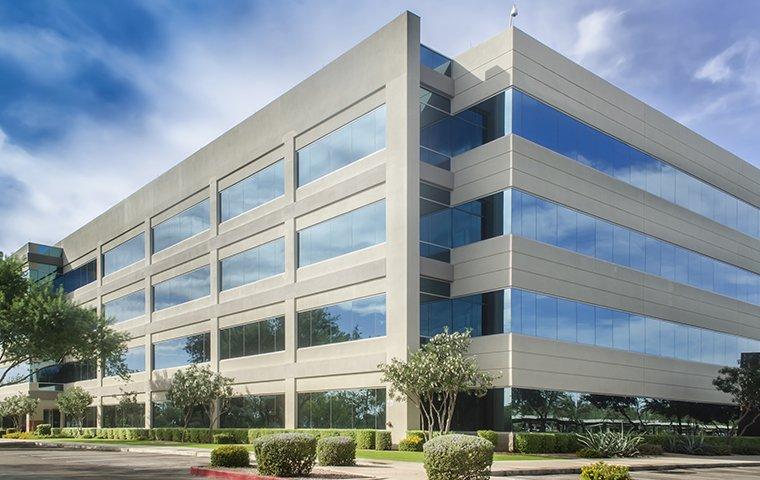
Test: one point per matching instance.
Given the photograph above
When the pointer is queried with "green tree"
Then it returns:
(18, 407)
(743, 385)
(74, 402)
(39, 325)
(195, 387)
(434, 376)
(542, 404)
(128, 411)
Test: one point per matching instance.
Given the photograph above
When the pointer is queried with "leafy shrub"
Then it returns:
(223, 438)
(21, 435)
(285, 454)
(255, 433)
(10, 430)
(383, 440)
(745, 450)
(489, 435)
(336, 451)
(43, 429)
(458, 457)
(588, 453)
(365, 439)
(715, 450)
(535, 442)
(687, 444)
(650, 449)
(232, 456)
(2, 432)
(417, 433)
(603, 471)
(411, 443)
(612, 444)
(565, 443)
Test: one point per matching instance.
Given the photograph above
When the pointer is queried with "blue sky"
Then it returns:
(99, 97)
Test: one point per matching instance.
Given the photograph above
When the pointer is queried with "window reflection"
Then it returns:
(181, 226)
(182, 351)
(349, 143)
(357, 229)
(126, 307)
(363, 408)
(264, 336)
(253, 265)
(182, 288)
(255, 411)
(251, 192)
(342, 322)
(125, 254)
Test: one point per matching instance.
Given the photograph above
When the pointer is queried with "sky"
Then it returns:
(98, 97)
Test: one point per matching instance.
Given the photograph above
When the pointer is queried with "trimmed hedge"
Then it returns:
(365, 439)
(535, 443)
(285, 454)
(489, 435)
(43, 429)
(604, 471)
(224, 438)
(336, 451)
(231, 456)
(383, 440)
(650, 449)
(458, 457)
(411, 443)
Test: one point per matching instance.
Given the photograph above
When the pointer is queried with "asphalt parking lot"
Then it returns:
(738, 473)
(54, 464)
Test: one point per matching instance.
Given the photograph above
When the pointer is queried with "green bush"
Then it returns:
(89, 432)
(285, 454)
(417, 433)
(411, 443)
(231, 456)
(224, 438)
(489, 435)
(10, 430)
(365, 439)
(715, 450)
(650, 449)
(254, 433)
(566, 443)
(336, 451)
(55, 432)
(2, 432)
(603, 471)
(535, 442)
(458, 457)
(745, 450)
(586, 452)
(43, 429)
(383, 440)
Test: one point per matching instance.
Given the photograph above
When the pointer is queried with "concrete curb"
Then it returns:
(632, 468)
(187, 452)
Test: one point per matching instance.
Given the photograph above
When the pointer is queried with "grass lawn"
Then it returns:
(364, 454)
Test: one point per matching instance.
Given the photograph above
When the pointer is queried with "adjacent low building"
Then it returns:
(592, 245)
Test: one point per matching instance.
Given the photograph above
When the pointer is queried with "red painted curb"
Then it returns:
(227, 474)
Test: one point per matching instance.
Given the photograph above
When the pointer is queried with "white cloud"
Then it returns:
(599, 44)
(729, 63)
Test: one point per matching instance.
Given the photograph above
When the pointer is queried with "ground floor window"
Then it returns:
(519, 410)
(51, 417)
(166, 415)
(124, 416)
(90, 419)
(255, 411)
(361, 408)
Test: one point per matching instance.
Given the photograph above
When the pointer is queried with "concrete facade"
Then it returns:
(385, 69)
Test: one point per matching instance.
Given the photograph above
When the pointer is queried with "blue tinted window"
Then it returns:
(251, 192)
(349, 143)
(134, 359)
(435, 61)
(127, 253)
(252, 265)
(77, 277)
(264, 336)
(342, 322)
(125, 308)
(182, 288)
(357, 229)
(181, 226)
(182, 351)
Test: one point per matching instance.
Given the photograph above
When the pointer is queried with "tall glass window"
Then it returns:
(349, 143)
(77, 278)
(182, 288)
(115, 416)
(363, 408)
(264, 336)
(181, 226)
(354, 230)
(255, 411)
(435, 223)
(434, 60)
(342, 322)
(166, 415)
(182, 351)
(127, 307)
(124, 255)
(251, 192)
(260, 262)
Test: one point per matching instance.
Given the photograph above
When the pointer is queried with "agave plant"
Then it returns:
(688, 444)
(612, 444)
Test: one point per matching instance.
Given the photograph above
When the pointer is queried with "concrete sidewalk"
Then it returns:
(396, 470)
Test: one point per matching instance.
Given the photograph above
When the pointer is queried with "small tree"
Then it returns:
(199, 387)
(18, 407)
(743, 384)
(434, 376)
(73, 403)
(127, 409)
